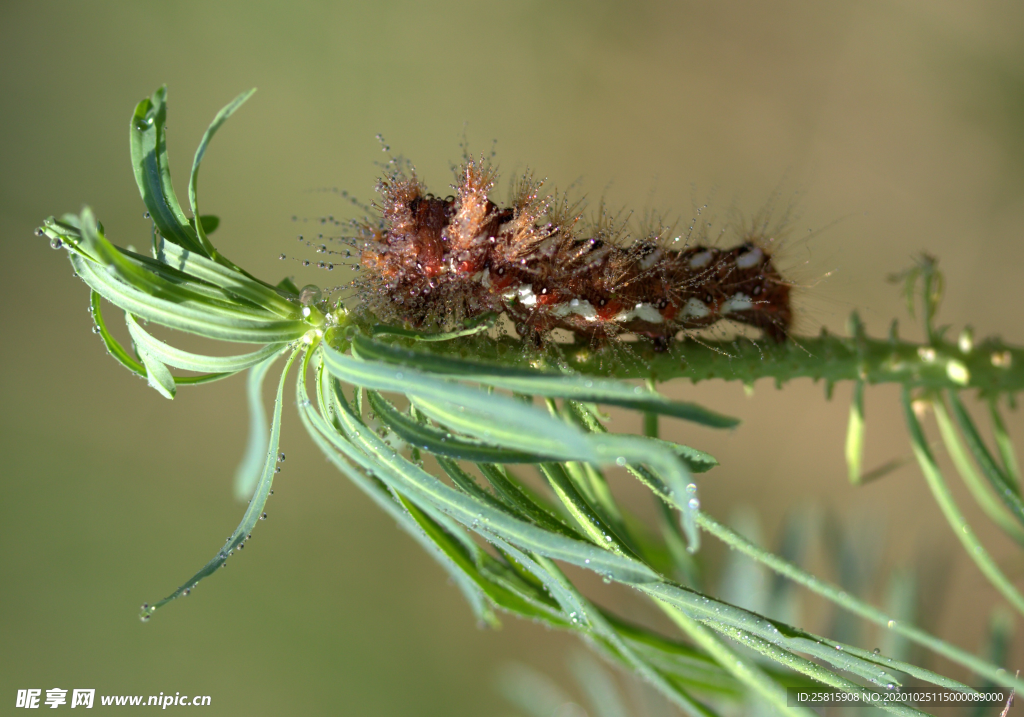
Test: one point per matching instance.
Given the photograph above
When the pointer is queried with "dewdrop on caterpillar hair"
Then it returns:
(432, 262)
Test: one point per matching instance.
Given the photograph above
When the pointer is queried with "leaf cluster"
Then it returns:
(378, 401)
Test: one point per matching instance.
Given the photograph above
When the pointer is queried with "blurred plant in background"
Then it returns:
(476, 405)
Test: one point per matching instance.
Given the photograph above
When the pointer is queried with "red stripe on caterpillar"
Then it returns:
(432, 262)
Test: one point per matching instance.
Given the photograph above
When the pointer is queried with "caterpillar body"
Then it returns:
(430, 262)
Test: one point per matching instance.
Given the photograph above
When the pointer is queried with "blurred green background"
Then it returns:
(901, 123)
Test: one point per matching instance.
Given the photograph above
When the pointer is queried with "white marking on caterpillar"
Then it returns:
(700, 259)
(650, 260)
(581, 308)
(737, 302)
(644, 312)
(749, 259)
(696, 309)
(647, 312)
(526, 295)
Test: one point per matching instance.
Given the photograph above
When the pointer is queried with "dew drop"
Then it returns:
(280, 457)
(310, 294)
(56, 243)
(283, 257)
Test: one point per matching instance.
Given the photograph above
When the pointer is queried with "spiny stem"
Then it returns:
(992, 367)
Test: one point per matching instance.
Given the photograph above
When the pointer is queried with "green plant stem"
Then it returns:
(995, 510)
(858, 607)
(992, 366)
(975, 550)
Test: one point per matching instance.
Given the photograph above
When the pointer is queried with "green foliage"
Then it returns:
(479, 405)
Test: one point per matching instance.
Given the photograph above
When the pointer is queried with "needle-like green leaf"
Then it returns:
(249, 470)
(855, 435)
(153, 174)
(534, 383)
(252, 514)
(193, 181)
(441, 442)
(1004, 487)
(157, 374)
(194, 317)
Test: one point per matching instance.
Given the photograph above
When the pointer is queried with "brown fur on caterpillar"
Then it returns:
(434, 262)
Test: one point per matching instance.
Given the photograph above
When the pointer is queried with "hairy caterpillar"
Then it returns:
(433, 262)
